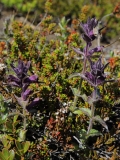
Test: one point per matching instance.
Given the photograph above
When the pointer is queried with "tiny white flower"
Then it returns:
(2, 66)
(63, 111)
(57, 113)
(57, 117)
(64, 104)
(62, 119)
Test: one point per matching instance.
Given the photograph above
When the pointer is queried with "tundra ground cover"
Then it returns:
(59, 96)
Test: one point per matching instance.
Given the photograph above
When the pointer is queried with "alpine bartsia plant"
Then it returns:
(90, 33)
(95, 76)
(88, 28)
(23, 81)
(86, 52)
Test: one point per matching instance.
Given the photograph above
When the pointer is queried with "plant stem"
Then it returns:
(91, 119)
(84, 66)
(90, 125)
(92, 110)
(24, 118)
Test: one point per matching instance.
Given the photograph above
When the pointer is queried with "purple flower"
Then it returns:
(97, 68)
(25, 102)
(96, 49)
(88, 29)
(22, 69)
(14, 81)
(96, 76)
(93, 79)
(21, 79)
(33, 104)
(25, 94)
(86, 52)
(31, 79)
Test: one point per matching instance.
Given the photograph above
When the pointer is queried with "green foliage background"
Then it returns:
(69, 8)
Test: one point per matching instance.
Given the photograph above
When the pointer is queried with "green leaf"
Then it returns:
(99, 119)
(79, 112)
(9, 126)
(1, 136)
(15, 123)
(2, 156)
(61, 27)
(75, 75)
(86, 111)
(22, 147)
(11, 155)
(22, 135)
(84, 97)
(93, 132)
(26, 146)
(6, 143)
(19, 146)
(10, 137)
(75, 91)
(15, 118)
(82, 134)
(4, 117)
(5, 153)
(2, 121)
(63, 21)
(71, 108)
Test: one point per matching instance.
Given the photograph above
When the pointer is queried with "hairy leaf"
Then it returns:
(76, 75)
(99, 119)
(76, 93)
(86, 111)
(79, 112)
(93, 132)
